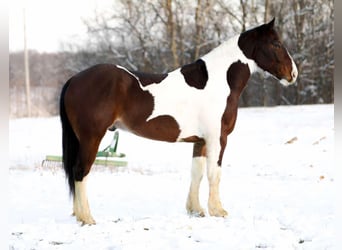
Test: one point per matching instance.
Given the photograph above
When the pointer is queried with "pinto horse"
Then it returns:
(196, 103)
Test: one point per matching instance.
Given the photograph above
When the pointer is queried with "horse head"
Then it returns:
(262, 45)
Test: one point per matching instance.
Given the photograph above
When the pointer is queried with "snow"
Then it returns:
(278, 186)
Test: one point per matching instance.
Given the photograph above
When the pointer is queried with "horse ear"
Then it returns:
(271, 23)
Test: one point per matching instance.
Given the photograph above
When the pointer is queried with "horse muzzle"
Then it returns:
(292, 78)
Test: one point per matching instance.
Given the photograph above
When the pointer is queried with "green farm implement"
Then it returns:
(106, 157)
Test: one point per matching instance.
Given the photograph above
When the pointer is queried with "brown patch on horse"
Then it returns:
(117, 101)
(250, 40)
(199, 145)
(193, 138)
(195, 74)
(237, 77)
(262, 44)
(81, 95)
(199, 149)
(148, 78)
(136, 105)
(90, 112)
(161, 128)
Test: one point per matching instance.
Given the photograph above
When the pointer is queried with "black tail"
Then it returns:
(69, 141)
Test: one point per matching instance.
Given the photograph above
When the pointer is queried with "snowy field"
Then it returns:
(278, 186)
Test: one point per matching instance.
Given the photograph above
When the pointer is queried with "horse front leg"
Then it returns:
(193, 206)
(215, 151)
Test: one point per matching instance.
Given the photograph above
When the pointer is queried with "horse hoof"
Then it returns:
(89, 223)
(200, 213)
(218, 212)
(86, 221)
(194, 211)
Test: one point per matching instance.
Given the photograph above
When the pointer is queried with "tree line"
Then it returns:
(161, 35)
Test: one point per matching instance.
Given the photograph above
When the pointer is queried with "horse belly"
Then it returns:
(172, 122)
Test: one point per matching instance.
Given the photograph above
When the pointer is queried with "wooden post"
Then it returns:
(27, 70)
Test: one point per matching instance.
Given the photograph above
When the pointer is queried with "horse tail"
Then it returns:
(70, 143)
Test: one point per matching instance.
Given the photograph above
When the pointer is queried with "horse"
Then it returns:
(196, 103)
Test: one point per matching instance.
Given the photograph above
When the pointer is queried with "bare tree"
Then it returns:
(176, 32)
(161, 35)
(172, 32)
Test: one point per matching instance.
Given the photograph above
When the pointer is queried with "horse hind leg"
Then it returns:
(81, 205)
(193, 206)
(86, 157)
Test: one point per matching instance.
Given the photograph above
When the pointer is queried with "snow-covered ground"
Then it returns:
(278, 185)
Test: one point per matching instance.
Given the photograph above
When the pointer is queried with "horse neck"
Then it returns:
(219, 59)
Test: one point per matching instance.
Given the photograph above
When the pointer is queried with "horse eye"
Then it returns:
(276, 44)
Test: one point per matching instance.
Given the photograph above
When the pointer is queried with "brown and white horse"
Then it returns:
(196, 103)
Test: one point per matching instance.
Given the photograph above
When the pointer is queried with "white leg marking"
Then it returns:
(214, 176)
(81, 206)
(197, 169)
(214, 202)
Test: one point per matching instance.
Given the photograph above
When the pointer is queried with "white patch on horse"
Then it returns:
(81, 205)
(214, 201)
(197, 170)
(294, 72)
(185, 104)
(198, 111)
